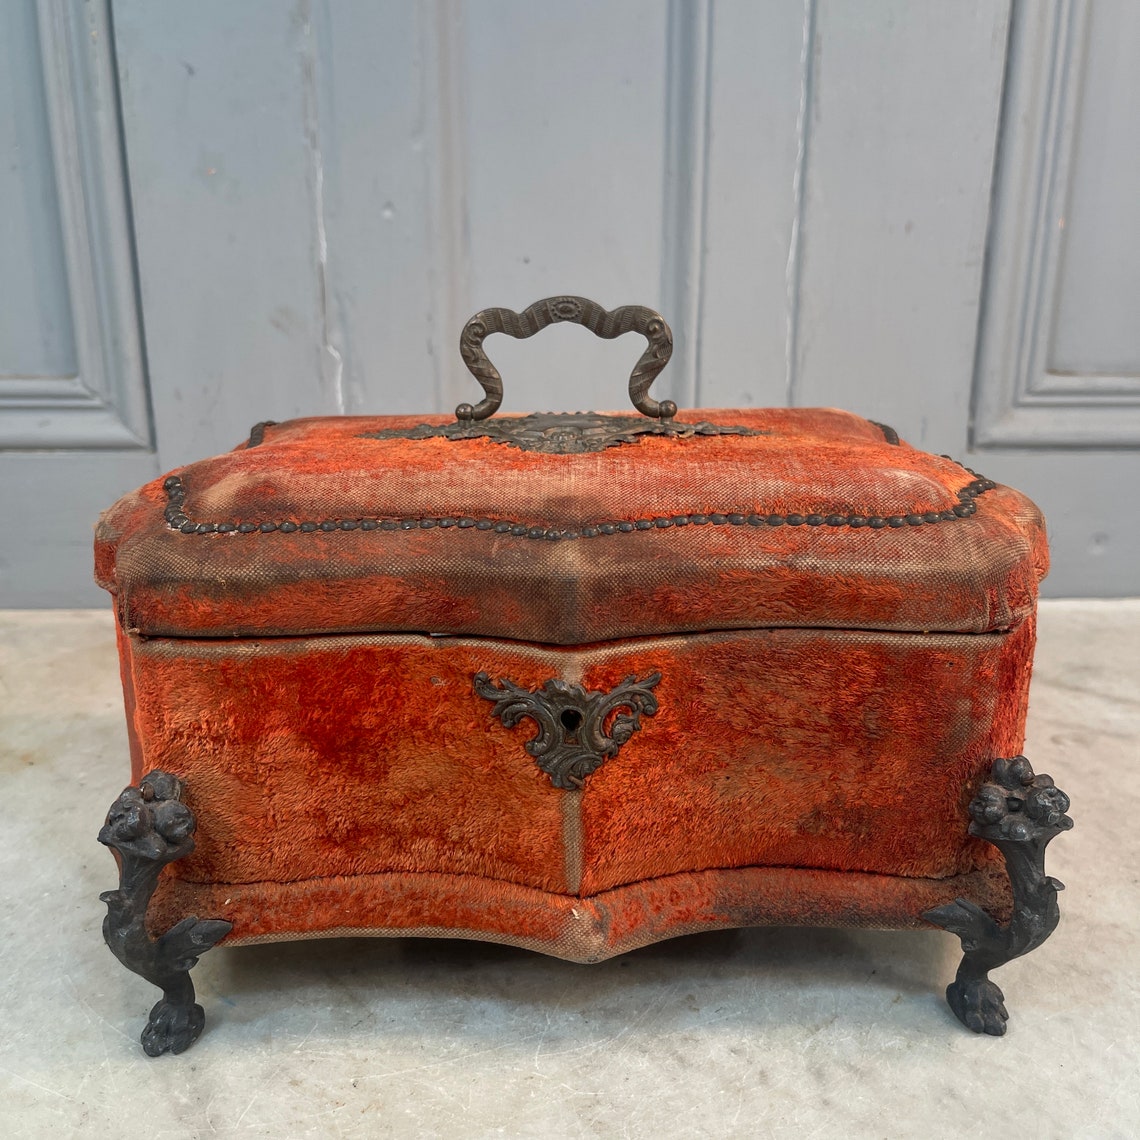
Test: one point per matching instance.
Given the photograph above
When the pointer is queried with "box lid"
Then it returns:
(817, 519)
(571, 529)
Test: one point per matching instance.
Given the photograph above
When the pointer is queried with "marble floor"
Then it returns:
(760, 1033)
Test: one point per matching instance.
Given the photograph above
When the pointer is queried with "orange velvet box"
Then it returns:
(575, 683)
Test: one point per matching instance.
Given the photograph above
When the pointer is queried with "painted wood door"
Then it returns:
(220, 213)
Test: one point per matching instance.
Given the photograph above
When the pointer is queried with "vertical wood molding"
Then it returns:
(314, 34)
(1017, 401)
(687, 78)
(795, 244)
(445, 156)
(106, 404)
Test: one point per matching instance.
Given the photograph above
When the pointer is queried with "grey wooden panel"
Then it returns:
(757, 126)
(88, 389)
(36, 337)
(1063, 434)
(1096, 327)
(563, 121)
(904, 113)
(49, 503)
(219, 110)
(74, 419)
(384, 123)
(445, 191)
(1022, 398)
(323, 192)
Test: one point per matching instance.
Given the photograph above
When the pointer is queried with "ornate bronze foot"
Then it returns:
(1019, 813)
(148, 827)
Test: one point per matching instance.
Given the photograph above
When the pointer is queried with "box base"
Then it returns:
(998, 912)
(576, 929)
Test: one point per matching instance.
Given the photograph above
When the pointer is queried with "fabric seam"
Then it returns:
(562, 894)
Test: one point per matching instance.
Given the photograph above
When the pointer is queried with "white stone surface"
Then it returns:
(761, 1033)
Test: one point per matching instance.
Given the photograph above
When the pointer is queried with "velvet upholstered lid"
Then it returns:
(570, 530)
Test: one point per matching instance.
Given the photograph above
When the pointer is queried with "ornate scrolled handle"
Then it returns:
(579, 310)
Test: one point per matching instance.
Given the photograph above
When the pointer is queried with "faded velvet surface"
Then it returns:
(970, 574)
(830, 697)
(576, 929)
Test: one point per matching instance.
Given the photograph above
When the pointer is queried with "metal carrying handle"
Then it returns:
(553, 310)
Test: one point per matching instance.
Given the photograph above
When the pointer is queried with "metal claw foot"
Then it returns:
(148, 827)
(1019, 813)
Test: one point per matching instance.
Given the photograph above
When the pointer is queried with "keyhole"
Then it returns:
(571, 719)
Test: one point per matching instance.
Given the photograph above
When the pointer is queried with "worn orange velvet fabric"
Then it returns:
(831, 693)
(921, 567)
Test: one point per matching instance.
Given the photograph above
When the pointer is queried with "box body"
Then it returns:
(829, 693)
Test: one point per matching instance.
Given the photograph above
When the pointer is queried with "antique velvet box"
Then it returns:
(576, 683)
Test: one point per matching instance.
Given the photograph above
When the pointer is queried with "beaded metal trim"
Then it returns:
(178, 519)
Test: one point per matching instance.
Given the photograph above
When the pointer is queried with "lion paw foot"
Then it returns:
(979, 1005)
(172, 1028)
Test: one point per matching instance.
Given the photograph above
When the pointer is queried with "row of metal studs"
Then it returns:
(177, 518)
